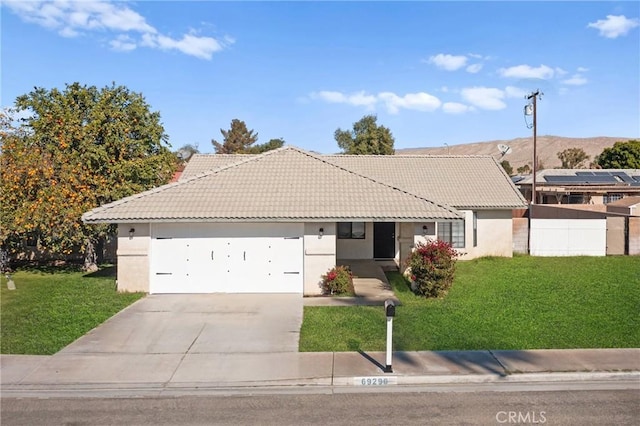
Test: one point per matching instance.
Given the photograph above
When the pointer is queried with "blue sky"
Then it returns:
(433, 72)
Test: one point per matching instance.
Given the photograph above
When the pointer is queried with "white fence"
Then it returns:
(568, 237)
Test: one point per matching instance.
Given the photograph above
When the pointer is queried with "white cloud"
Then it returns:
(448, 62)
(474, 68)
(355, 99)
(200, 47)
(484, 97)
(420, 101)
(123, 43)
(575, 80)
(456, 108)
(76, 18)
(515, 92)
(582, 69)
(614, 26)
(525, 71)
(560, 72)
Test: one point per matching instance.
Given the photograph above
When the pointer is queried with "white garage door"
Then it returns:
(226, 258)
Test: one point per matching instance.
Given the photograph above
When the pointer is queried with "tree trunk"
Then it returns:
(90, 257)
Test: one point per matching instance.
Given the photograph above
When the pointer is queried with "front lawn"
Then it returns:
(498, 303)
(47, 311)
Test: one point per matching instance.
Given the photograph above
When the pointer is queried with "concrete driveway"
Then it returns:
(199, 324)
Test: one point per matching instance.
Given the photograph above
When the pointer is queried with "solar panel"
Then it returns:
(564, 179)
(584, 173)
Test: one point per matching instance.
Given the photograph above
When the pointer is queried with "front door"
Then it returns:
(384, 240)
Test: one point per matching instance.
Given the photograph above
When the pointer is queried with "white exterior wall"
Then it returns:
(494, 234)
(568, 237)
(357, 248)
(133, 257)
(319, 254)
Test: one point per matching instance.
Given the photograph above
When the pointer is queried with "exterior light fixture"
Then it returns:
(424, 229)
(321, 231)
(131, 232)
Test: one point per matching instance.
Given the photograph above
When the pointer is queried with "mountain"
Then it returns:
(521, 153)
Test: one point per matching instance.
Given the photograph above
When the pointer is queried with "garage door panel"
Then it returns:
(228, 258)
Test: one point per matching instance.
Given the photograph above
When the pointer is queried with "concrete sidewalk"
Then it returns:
(161, 373)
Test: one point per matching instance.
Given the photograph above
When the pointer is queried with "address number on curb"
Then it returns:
(375, 381)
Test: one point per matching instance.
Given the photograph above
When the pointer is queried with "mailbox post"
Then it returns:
(390, 312)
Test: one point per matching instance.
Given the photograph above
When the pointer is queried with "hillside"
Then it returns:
(522, 149)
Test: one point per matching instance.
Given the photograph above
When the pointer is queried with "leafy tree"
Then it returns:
(572, 158)
(237, 140)
(80, 148)
(622, 155)
(365, 138)
(272, 144)
(507, 167)
(523, 170)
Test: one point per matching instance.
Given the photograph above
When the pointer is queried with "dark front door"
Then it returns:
(384, 240)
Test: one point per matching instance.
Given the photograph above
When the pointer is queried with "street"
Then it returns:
(566, 407)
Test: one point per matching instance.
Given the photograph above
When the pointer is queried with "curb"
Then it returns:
(617, 380)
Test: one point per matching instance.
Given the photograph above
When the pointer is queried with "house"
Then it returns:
(277, 221)
(628, 206)
(580, 186)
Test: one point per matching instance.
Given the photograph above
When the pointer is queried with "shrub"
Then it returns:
(338, 280)
(432, 268)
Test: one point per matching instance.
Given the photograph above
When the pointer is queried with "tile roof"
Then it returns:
(461, 181)
(200, 163)
(287, 184)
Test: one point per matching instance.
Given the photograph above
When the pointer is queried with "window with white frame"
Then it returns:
(452, 233)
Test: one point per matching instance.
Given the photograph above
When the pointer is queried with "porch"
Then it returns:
(369, 281)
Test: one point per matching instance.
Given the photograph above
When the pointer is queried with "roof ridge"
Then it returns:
(170, 185)
(411, 155)
(320, 158)
(509, 180)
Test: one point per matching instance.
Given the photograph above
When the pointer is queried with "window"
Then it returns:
(610, 198)
(351, 230)
(452, 232)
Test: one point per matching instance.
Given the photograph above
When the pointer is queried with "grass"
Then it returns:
(50, 309)
(498, 303)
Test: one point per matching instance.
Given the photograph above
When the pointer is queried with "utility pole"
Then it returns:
(532, 109)
(529, 110)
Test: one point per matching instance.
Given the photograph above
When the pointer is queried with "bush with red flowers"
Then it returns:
(338, 281)
(432, 268)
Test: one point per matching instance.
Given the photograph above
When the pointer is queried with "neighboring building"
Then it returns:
(628, 206)
(581, 186)
(277, 221)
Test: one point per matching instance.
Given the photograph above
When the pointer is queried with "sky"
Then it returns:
(434, 73)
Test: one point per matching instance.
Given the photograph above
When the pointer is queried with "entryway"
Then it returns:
(384, 240)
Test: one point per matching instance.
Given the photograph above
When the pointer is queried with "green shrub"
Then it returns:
(432, 268)
(338, 281)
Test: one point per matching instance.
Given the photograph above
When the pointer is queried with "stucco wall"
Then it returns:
(634, 236)
(494, 234)
(356, 248)
(319, 255)
(133, 257)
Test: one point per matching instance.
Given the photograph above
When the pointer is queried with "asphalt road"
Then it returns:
(574, 407)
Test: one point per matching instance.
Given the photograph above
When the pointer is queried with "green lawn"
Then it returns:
(498, 303)
(47, 311)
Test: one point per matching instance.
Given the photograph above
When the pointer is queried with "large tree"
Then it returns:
(622, 155)
(572, 158)
(365, 138)
(237, 140)
(264, 147)
(77, 148)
